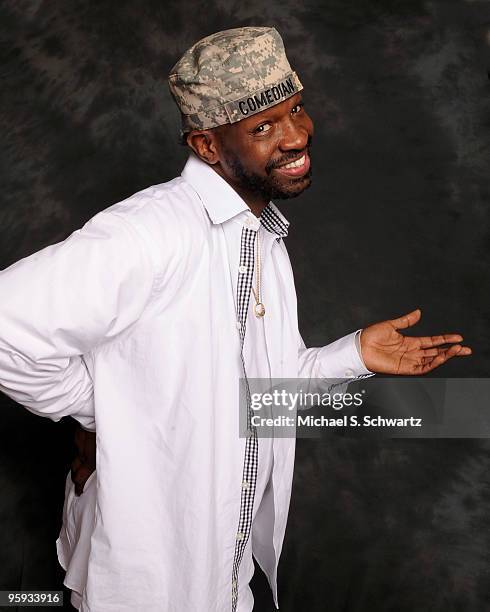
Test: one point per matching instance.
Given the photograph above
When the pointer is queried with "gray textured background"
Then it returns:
(397, 218)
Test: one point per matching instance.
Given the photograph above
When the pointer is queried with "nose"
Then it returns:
(294, 135)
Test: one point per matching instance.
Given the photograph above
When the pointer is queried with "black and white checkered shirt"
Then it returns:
(270, 221)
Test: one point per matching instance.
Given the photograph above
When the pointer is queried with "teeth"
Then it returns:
(296, 164)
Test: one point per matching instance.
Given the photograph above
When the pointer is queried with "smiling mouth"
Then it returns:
(298, 167)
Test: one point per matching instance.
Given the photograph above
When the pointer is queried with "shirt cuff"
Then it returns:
(342, 358)
(358, 347)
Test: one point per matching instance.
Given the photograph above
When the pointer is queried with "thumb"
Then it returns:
(407, 320)
(80, 478)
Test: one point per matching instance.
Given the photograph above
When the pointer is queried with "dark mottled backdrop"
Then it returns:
(397, 218)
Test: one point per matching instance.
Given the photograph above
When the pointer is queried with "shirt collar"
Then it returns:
(222, 202)
(274, 221)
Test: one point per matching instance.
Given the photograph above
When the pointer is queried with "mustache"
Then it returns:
(289, 157)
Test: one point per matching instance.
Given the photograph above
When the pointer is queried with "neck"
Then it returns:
(255, 204)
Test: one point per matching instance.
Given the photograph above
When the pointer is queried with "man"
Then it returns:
(140, 325)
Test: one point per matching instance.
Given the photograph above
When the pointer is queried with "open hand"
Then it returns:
(386, 351)
(84, 463)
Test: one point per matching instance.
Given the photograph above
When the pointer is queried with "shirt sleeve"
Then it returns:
(59, 304)
(341, 359)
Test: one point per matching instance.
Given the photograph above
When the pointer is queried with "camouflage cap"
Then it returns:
(231, 75)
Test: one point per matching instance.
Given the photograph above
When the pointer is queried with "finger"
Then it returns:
(452, 351)
(434, 363)
(407, 320)
(75, 466)
(80, 478)
(429, 355)
(430, 352)
(433, 352)
(78, 488)
(444, 356)
(428, 363)
(431, 341)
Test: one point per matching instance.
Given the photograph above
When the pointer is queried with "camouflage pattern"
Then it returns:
(231, 75)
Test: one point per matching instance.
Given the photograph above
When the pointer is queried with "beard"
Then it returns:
(268, 187)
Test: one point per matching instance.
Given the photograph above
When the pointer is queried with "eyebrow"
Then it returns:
(269, 110)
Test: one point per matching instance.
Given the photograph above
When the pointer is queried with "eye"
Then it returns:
(261, 129)
(298, 108)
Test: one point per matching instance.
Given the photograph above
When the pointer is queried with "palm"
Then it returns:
(386, 351)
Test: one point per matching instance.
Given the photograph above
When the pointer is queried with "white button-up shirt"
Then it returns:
(131, 325)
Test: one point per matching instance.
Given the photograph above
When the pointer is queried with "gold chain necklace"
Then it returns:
(259, 308)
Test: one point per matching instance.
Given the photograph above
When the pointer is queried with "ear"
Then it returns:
(204, 143)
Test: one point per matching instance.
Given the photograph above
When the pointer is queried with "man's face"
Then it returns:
(256, 153)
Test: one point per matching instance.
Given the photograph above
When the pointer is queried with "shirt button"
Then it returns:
(245, 485)
(240, 535)
(349, 373)
(238, 325)
(252, 223)
(242, 269)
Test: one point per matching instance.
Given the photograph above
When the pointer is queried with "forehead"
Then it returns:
(272, 113)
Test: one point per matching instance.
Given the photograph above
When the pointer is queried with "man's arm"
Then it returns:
(59, 304)
(381, 348)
